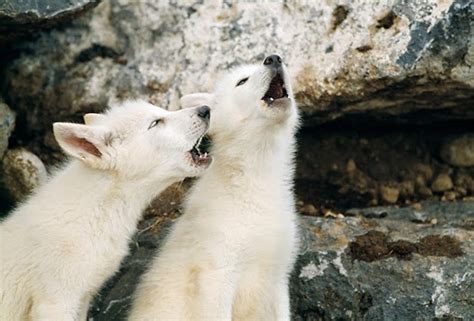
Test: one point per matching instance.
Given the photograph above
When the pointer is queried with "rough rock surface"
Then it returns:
(22, 171)
(383, 263)
(356, 57)
(7, 122)
(18, 18)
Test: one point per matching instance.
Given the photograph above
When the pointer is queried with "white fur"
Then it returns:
(230, 255)
(58, 248)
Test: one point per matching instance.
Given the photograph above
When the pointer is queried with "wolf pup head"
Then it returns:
(257, 97)
(138, 140)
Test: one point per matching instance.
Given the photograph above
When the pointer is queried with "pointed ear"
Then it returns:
(91, 118)
(197, 99)
(84, 142)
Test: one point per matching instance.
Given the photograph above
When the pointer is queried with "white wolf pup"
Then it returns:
(59, 247)
(230, 255)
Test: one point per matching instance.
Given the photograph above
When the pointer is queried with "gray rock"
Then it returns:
(358, 58)
(459, 151)
(22, 171)
(18, 18)
(394, 267)
(7, 122)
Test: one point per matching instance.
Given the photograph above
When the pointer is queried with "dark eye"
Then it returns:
(154, 123)
(242, 81)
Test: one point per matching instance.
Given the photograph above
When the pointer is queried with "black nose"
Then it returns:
(273, 61)
(204, 112)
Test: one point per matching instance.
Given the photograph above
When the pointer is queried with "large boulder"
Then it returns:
(383, 263)
(388, 263)
(357, 57)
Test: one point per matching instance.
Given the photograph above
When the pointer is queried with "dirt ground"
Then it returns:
(339, 168)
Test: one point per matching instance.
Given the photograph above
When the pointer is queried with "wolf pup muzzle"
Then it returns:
(276, 89)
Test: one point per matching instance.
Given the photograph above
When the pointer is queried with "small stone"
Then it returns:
(420, 181)
(389, 194)
(459, 151)
(425, 170)
(331, 214)
(22, 172)
(449, 196)
(417, 206)
(465, 181)
(407, 188)
(351, 166)
(442, 183)
(424, 191)
(461, 191)
(308, 209)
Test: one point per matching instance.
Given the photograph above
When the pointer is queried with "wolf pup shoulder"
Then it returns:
(229, 256)
(58, 248)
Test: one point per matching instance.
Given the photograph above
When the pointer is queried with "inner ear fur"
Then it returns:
(84, 144)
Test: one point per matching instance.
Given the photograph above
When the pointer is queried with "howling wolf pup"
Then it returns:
(59, 247)
(230, 255)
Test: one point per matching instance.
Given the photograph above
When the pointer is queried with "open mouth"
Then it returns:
(199, 156)
(276, 90)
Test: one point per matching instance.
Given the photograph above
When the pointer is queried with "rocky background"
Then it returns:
(385, 177)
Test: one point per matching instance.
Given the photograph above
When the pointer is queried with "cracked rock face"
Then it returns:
(382, 263)
(366, 58)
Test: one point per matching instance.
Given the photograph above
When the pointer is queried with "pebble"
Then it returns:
(417, 206)
(407, 188)
(442, 183)
(449, 196)
(389, 194)
(425, 170)
(425, 191)
(351, 166)
(420, 181)
(309, 209)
